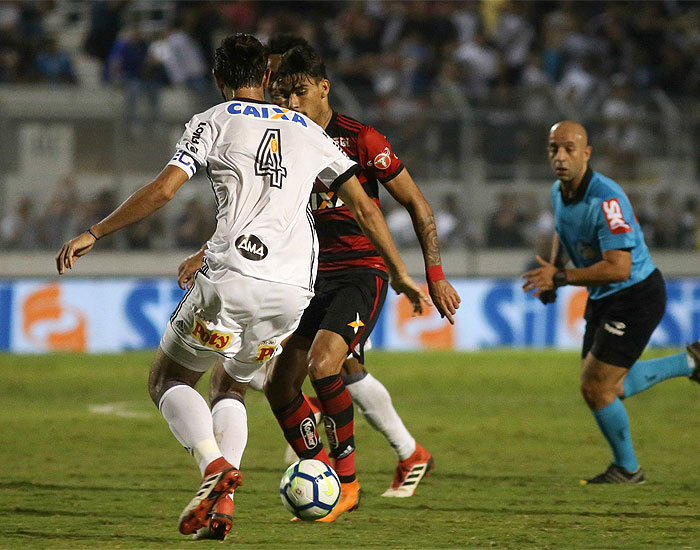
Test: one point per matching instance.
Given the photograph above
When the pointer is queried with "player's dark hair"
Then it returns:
(300, 63)
(241, 61)
(284, 41)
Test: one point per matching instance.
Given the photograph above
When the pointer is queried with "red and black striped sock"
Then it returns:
(299, 426)
(336, 405)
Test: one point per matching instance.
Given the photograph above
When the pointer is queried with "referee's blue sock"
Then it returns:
(644, 374)
(615, 425)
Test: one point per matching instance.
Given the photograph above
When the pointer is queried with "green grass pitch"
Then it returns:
(87, 462)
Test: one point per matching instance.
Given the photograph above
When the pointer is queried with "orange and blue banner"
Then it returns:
(113, 315)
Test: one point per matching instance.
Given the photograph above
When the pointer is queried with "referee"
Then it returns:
(598, 231)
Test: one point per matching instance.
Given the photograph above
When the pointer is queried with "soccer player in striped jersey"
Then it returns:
(350, 289)
(260, 264)
(597, 228)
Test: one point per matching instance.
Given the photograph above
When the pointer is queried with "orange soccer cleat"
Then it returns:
(349, 501)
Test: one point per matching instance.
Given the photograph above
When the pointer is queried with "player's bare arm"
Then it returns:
(407, 193)
(189, 266)
(138, 206)
(614, 267)
(371, 220)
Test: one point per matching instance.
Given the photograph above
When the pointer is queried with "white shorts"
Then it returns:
(232, 317)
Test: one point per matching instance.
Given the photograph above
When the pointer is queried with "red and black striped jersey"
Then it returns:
(342, 244)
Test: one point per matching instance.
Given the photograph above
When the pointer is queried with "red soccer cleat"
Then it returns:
(409, 474)
(220, 479)
(220, 521)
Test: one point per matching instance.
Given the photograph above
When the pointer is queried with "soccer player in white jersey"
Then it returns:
(368, 393)
(262, 161)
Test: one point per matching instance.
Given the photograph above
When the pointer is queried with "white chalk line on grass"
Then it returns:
(120, 409)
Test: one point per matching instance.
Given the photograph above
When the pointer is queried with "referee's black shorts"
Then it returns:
(347, 302)
(618, 327)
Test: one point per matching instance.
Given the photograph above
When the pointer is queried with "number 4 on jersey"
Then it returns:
(268, 160)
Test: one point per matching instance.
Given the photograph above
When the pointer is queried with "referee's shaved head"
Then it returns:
(571, 128)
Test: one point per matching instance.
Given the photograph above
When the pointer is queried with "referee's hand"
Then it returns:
(541, 278)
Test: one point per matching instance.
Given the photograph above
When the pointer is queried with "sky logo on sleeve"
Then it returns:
(614, 217)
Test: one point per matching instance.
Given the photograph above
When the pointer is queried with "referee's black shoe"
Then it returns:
(694, 351)
(616, 474)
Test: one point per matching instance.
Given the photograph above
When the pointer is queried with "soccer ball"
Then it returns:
(309, 489)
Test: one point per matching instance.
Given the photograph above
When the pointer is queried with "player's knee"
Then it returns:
(158, 387)
(157, 383)
(166, 373)
(323, 364)
(222, 385)
(597, 393)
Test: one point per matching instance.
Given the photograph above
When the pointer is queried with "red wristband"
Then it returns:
(434, 273)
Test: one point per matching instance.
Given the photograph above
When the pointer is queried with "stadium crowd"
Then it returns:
(516, 221)
(402, 54)
(513, 66)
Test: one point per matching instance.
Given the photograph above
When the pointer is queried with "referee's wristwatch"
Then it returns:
(559, 278)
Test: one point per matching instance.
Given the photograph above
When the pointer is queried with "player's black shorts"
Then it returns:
(618, 327)
(347, 302)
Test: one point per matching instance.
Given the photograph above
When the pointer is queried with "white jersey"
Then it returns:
(262, 161)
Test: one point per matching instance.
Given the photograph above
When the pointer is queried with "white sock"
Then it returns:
(230, 429)
(374, 402)
(258, 379)
(189, 418)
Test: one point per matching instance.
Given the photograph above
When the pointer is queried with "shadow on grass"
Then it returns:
(550, 512)
(139, 538)
(31, 486)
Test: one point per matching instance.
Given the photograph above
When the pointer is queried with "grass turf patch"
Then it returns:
(89, 463)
